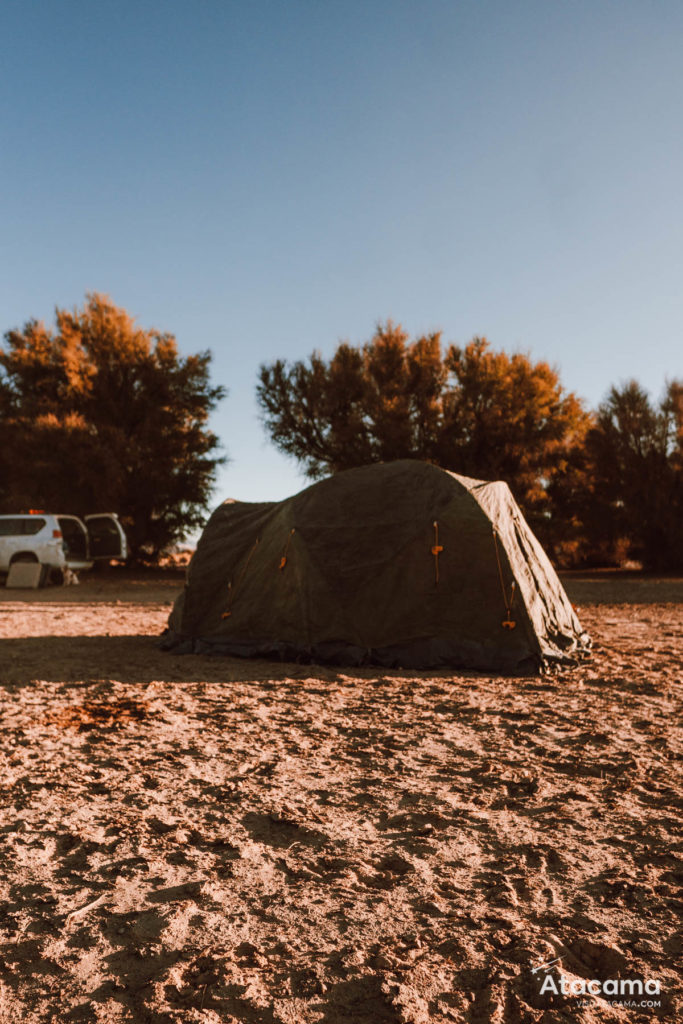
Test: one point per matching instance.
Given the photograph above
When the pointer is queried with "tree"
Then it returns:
(635, 453)
(472, 410)
(98, 414)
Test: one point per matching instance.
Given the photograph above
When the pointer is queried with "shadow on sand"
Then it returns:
(132, 659)
(138, 659)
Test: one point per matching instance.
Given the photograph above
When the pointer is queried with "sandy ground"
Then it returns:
(194, 839)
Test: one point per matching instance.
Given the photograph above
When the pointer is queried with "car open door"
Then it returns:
(106, 538)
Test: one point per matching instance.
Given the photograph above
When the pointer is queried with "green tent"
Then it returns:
(400, 564)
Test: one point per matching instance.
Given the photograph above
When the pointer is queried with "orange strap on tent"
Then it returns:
(233, 590)
(283, 560)
(436, 549)
(508, 622)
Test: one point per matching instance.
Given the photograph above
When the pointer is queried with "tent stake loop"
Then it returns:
(436, 549)
(283, 560)
(508, 622)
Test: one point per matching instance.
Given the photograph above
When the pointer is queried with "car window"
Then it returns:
(23, 527)
(71, 530)
(102, 526)
(33, 525)
(11, 527)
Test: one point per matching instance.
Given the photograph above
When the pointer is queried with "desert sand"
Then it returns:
(187, 839)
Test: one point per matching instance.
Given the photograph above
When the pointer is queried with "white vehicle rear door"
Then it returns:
(106, 538)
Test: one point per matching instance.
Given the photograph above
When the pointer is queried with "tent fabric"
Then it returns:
(399, 564)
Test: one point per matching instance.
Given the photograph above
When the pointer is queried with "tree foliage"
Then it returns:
(635, 455)
(472, 410)
(97, 414)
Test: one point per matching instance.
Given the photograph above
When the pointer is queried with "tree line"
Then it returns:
(598, 487)
(97, 414)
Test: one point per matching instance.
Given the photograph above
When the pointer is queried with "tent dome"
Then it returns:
(396, 564)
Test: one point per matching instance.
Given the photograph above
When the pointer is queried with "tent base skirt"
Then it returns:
(426, 653)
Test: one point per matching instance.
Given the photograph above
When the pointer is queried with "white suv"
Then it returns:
(60, 542)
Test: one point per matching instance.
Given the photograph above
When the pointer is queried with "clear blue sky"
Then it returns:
(266, 178)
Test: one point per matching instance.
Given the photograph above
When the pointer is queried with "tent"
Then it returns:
(400, 564)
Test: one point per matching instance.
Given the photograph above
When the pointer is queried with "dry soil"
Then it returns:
(186, 839)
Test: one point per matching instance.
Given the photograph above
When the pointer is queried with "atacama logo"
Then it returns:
(624, 988)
